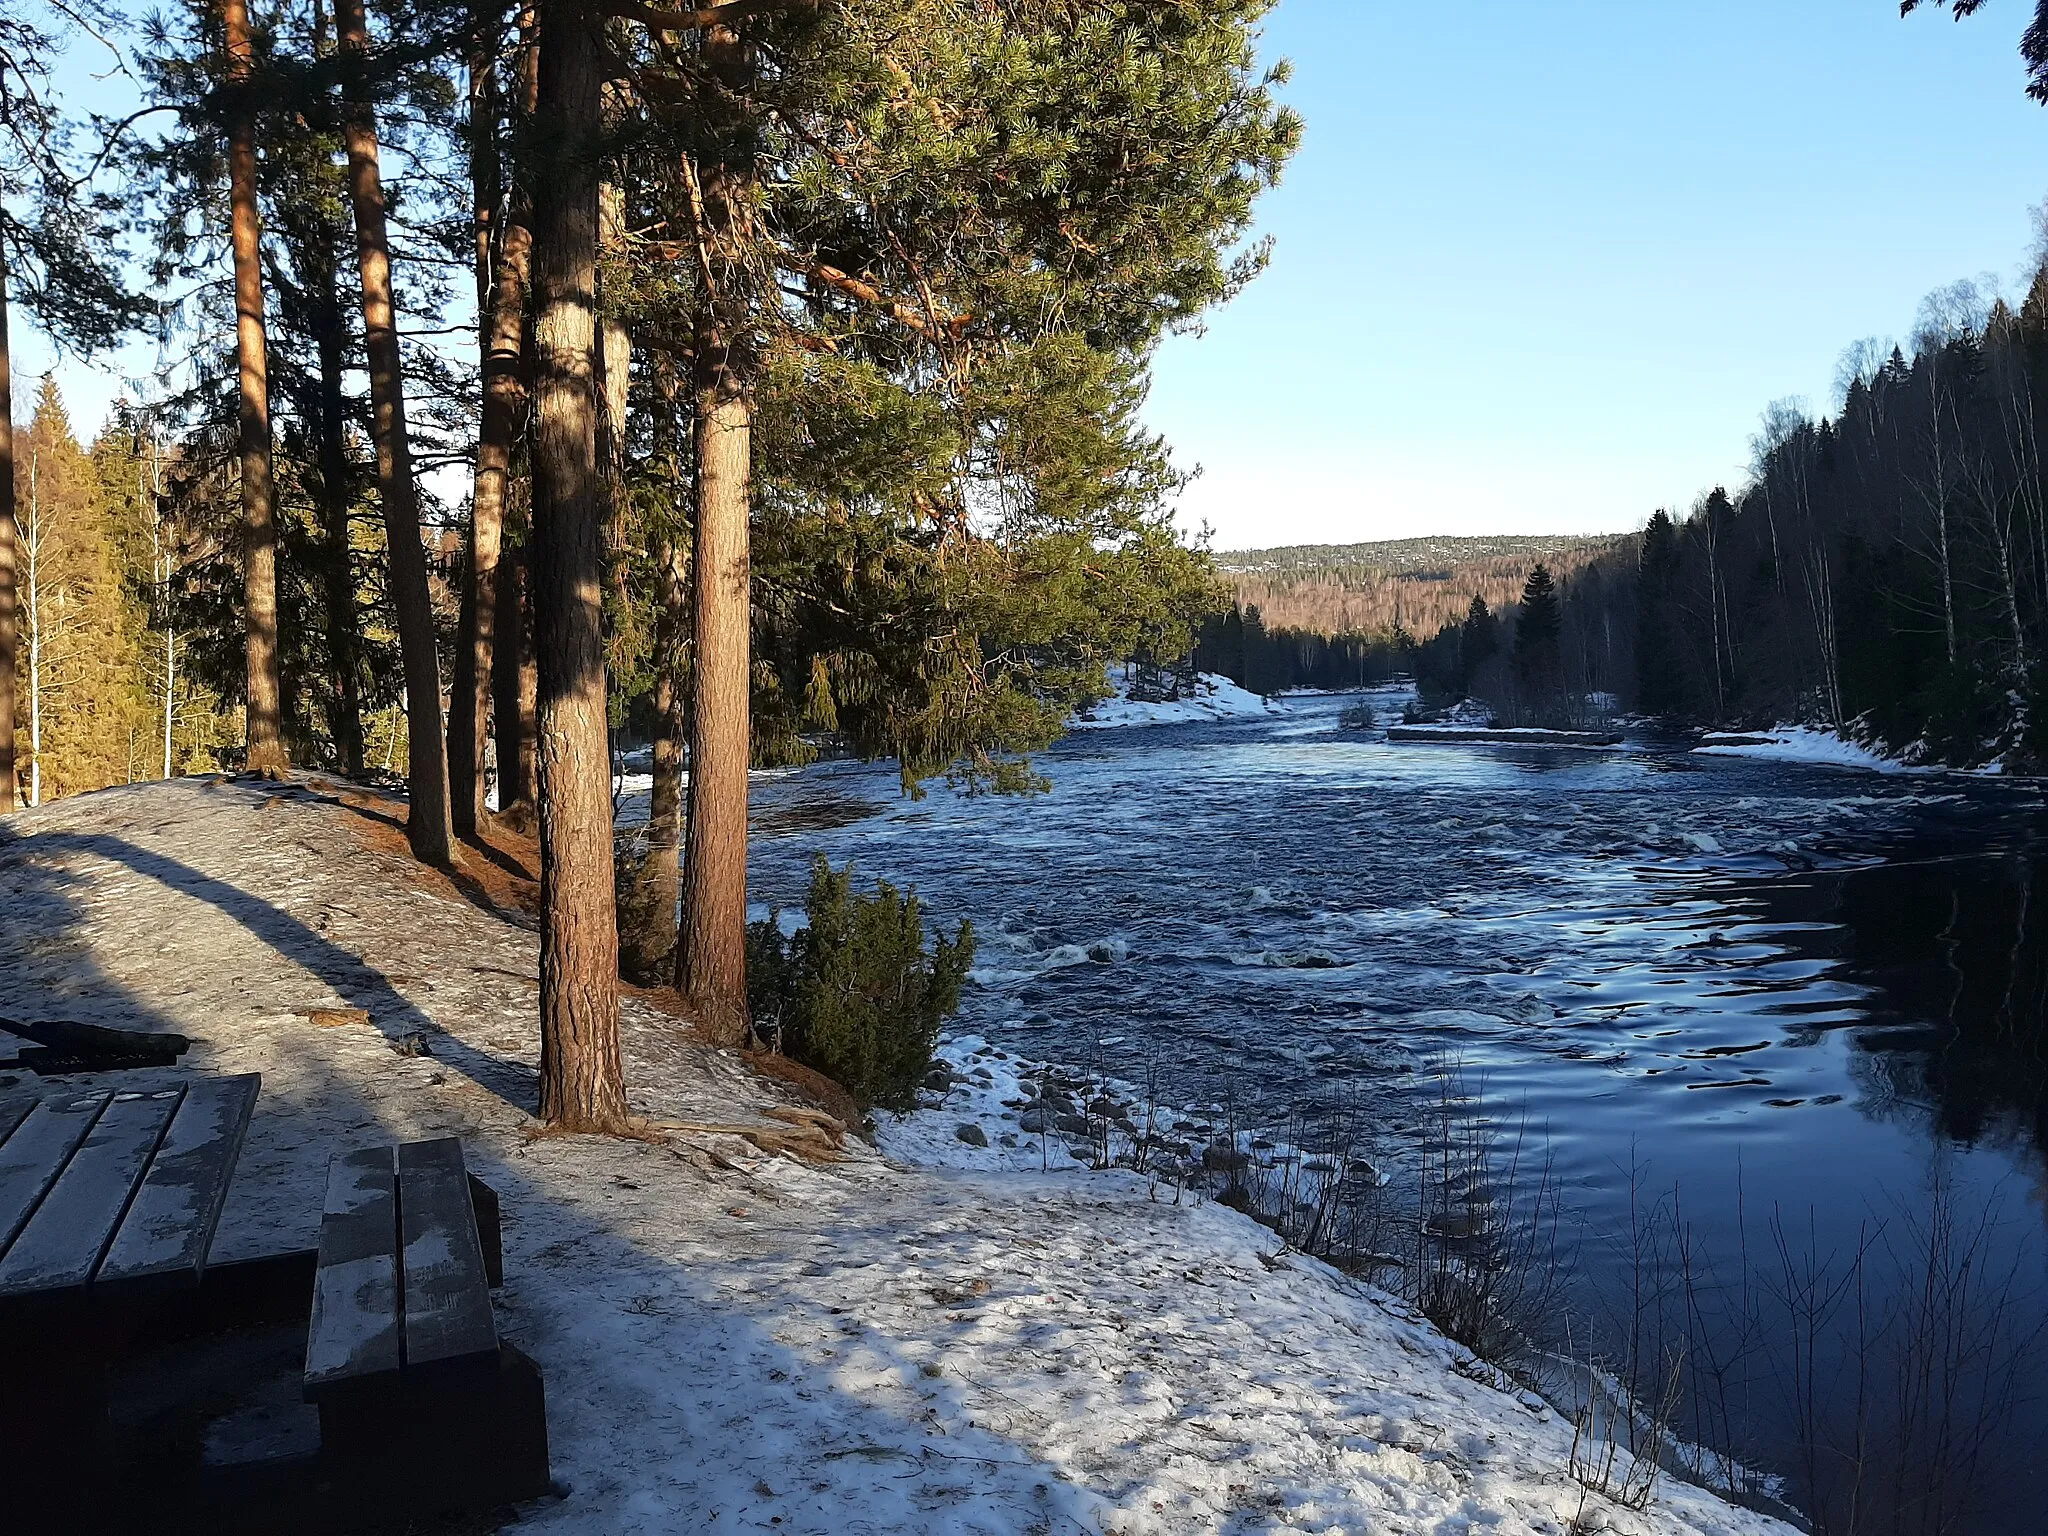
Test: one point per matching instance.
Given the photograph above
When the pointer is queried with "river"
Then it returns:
(1791, 1012)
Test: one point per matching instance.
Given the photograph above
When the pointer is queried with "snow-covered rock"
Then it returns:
(1802, 744)
(1214, 698)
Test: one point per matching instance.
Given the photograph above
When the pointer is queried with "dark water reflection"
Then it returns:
(1955, 950)
(1799, 1007)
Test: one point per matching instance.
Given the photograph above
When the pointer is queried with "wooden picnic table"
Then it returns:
(109, 1199)
(108, 1195)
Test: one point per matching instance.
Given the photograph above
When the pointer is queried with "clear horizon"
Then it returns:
(1542, 268)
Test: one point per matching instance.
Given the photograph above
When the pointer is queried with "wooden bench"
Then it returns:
(423, 1408)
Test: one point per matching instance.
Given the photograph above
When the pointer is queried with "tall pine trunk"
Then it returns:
(428, 825)
(514, 683)
(713, 955)
(265, 727)
(335, 501)
(581, 1073)
(652, 940)
(468, 698)
(9, 791)
(651, 937)
(503, 259)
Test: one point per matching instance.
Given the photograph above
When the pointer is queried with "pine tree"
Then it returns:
(266, 749)
(582, 1076)
(921, 248)
(429, 824)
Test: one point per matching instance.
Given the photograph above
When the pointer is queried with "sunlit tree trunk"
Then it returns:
(582, 1075)
(503, 257)
(9, 790)
(713, 953)
(265, 728)
(428, 825)
(34, 547)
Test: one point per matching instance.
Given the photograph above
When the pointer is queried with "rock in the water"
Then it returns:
(939, 1078)
(1222, 1157)
(972, 1134)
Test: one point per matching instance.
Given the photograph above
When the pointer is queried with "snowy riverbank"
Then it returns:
(733, 1341)
(1213, 698)
(1803, 744)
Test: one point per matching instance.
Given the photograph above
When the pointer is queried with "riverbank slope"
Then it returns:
(733, 1341)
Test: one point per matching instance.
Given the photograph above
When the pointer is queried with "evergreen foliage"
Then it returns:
(1884, 570)
(1478, 643)
(855, 993)
(1659, 685)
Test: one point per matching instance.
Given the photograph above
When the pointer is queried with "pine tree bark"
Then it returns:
(514, 683)
(428, 826)
(335, 502)
(651, 938)
(265, 717)
(9, 789)
(502, 274)
(582, 1076)
(713, 952)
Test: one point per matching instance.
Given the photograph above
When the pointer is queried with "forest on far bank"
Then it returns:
(1884, 572)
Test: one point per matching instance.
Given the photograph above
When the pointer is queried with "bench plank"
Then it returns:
(33, 1156)
(354, 1331)
(447, 1293)
(63, 1241)
(166, 1234)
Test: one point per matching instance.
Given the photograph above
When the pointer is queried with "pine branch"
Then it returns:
(692, 21)
(937, 329)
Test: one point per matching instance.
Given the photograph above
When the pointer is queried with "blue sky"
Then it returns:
(1542, 263)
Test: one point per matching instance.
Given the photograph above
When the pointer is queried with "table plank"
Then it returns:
(62, 1243)
(14, 1108)
(164, 1237)
(36, 1153)
(355, 1330)
(447, 1295)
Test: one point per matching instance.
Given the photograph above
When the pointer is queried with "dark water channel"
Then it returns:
(1762, 1018)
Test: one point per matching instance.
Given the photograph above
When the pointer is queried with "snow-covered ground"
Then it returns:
(1214, 698)
(1802, 744)
(733, 1341)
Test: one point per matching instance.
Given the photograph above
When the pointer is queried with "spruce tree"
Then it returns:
(1539, 662)
(1478, 642)
(1541, 621)
(1659, 683)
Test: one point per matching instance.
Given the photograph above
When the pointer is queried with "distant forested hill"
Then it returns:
(1415, 586)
